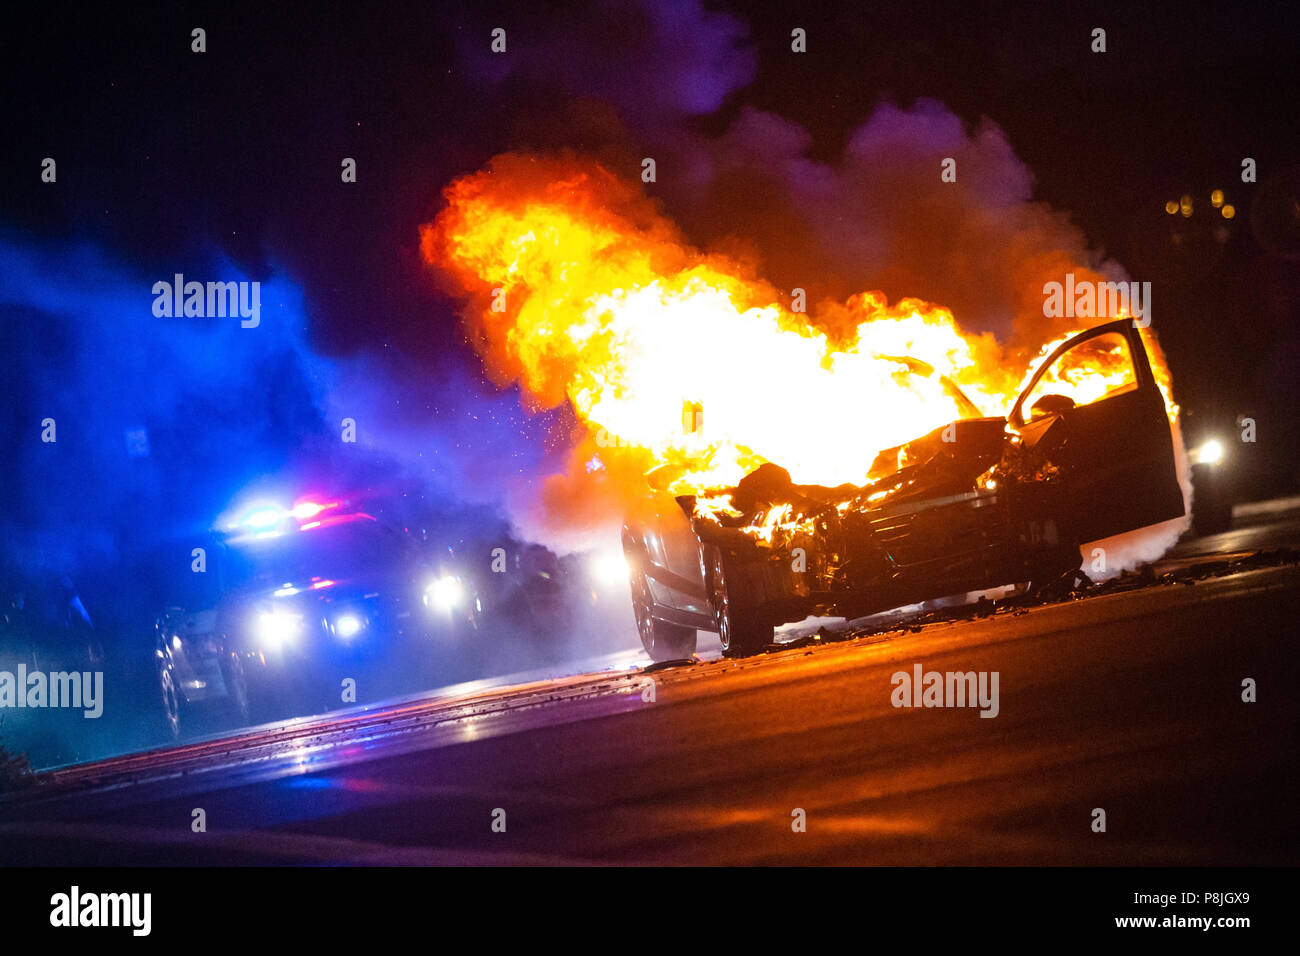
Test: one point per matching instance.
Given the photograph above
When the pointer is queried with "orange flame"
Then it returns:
(583, 292)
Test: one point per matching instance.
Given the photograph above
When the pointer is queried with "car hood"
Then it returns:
(946, 461)
(325, 591)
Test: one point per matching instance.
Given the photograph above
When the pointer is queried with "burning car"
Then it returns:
(1085, 453)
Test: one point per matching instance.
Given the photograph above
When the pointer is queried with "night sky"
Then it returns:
(171, 161)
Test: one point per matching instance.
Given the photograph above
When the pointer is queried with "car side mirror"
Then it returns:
(1051, 405)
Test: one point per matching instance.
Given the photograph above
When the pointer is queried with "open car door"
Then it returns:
(1108, 433)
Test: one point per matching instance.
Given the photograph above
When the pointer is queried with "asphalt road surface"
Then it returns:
(1129, 701)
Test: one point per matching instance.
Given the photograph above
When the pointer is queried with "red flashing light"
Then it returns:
(330, 521)
(310, 509)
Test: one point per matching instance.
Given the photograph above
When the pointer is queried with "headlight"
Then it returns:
(444, 593)
(609, 568)
(1209, 453)
(277, 628)
(347, 626)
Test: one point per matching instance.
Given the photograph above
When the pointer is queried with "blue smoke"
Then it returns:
(161, 424)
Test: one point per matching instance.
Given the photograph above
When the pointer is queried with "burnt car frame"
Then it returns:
(976, 504)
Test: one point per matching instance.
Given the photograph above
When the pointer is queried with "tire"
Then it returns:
(662, 641)
(1055, 575)
(235, 709)
(251, 698)
(742, 628)
(169, 710)
(1211, 517)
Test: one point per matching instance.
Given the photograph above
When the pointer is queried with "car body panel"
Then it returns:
(193, 649)
(1116, 454)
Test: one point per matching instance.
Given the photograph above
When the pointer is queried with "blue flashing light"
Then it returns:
(263, 518)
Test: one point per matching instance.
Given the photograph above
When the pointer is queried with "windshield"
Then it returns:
(925, 370)
(337, 552)
(1097, 368)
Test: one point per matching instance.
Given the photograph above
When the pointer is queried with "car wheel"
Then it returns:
(236, 708)
(1054, 576)
(662, 641)
(169, 702)
(1211, 518)
(741, 627)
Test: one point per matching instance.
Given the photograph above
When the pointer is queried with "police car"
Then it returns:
(293, 610)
